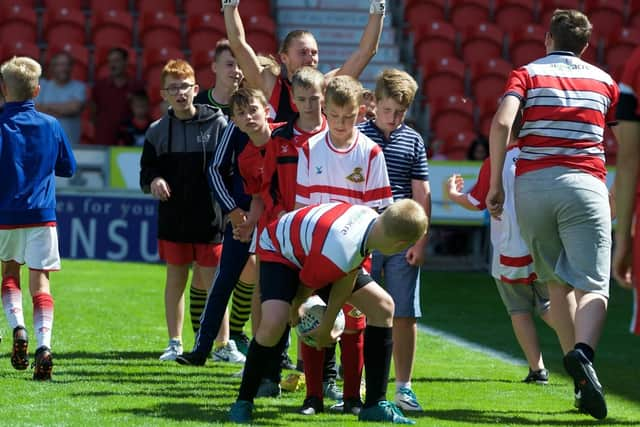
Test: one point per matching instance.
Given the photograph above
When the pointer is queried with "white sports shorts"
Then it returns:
(35, 246)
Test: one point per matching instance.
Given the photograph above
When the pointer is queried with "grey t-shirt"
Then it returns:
(51, 92)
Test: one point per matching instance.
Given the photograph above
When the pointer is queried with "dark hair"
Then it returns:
(122, 51)
(61, 52)
(570, 30)
(479, 141)
(292, 35)
(243, 97)
(221, 46)
(140, 95)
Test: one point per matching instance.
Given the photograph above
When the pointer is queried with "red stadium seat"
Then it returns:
(80, 55)
(101, 67)
(619, 47)
(60, 4)
(154, 59)
(65, 26)
(259, 24)
(456, 145)
(168, 6)
(25, 3)
(204, 29)
(606, 16)
(482, 41)
(434, 40)
(443, 77)
(450, 114)
(18, 23)
(153, 92)
(419, 13)
(487, 106)
(548, 6)
(103, 6)
(205, 77)
(488, 77)
(263, 44)
(513, 14)
(527, 45)
(466, 13)
(201, 58)
(113, 27)
(634, 14)
(160, 29)
(255, 7)
(9, 49)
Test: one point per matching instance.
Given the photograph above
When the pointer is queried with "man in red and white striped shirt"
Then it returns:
(561, 199)
(325, 245)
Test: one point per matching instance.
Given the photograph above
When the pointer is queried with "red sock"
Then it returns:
(352, 358)
(313, 366)
(43, 318)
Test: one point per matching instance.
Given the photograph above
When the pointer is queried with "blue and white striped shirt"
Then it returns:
(405, 155)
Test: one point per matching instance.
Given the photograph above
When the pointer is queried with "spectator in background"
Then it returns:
(62, 97)
(479, 149)
(133, 129)
(369, 101)
(111, 97)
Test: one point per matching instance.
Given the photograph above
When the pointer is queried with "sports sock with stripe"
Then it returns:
(240, 306)
(197, 301)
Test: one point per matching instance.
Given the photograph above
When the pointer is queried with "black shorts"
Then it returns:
(280, 282)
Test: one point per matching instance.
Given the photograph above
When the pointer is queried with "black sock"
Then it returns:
(273, 370)
(329, 372)
(254, 368)
(586, 350)
(378, 349)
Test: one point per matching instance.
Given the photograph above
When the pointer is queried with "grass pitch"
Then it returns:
(109, 330)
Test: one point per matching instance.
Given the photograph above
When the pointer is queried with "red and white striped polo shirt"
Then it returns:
(325, 242)
(566, 104)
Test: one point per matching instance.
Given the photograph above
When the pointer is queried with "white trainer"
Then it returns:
(406, 400)
(173, 350)
(228, 353)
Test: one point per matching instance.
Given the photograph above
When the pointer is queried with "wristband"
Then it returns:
(226, 3)
(377, 7)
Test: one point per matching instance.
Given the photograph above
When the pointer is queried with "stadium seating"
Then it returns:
(488, 77)
(160, 29)
(466, 13)
(634, 14)
(64, 26)
(419, 13)
(114, 27)
(527, 45)
(145, 6)
(606, 16)
(19, 23)
(443, 77)
(456, 145)
(433, 41)
(450, 114)
(548, 6)
(153, 60)
(513, 14)
(204, 29)
(255, 7)
(100, 61)
(260, 33)
(482, 41)
(12, 48)
(102, 6)
(62, 4)
(619, 47)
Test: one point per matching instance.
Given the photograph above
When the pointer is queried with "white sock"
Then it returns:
(402, 384)
(12, 302)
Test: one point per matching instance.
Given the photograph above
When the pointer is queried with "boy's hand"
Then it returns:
(377, 7)
(244, 231)
(237, 217)
(455, 184)
(622, 262)
(160, 189)
(495, 201)
(323, 337)
(226, 3)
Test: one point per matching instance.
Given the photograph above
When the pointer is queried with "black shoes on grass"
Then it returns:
(591, 396)
(43, 365)
(20, 350)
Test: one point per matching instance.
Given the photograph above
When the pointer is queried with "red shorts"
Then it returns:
(204, 254)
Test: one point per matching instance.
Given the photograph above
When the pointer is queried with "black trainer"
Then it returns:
(591, 394)
(192, 359)
(541, 376)
(312, 406)
(43, 364)
(20, 350)
(286, 362)
(352, 406)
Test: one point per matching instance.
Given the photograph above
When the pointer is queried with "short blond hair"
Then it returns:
(397, 85)
(405, 220)
(21, 75)
(308, 77)
(342, 91)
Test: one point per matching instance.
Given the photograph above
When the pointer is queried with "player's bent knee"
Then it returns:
(382, 314)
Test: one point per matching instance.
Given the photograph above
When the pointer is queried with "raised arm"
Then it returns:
(256, 76)
(368, 43)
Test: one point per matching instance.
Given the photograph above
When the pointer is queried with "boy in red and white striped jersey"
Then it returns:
(561, 199)
(325, 245)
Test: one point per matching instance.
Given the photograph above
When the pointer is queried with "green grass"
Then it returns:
(109, 330)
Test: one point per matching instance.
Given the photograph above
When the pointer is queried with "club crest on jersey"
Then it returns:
(355, 313)
(356, 176)
(318, 170)
(284, 149)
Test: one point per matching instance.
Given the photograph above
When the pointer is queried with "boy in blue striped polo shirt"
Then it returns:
(405, 154)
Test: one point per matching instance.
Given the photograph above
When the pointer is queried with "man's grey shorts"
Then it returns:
(401, 281)
(565, 219)
(519, 298)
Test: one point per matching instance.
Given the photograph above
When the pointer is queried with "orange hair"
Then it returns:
(178, 68)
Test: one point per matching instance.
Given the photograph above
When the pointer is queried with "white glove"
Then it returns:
(376, 7)
(226, 3)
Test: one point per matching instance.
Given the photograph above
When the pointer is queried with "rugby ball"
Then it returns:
(312, 311)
